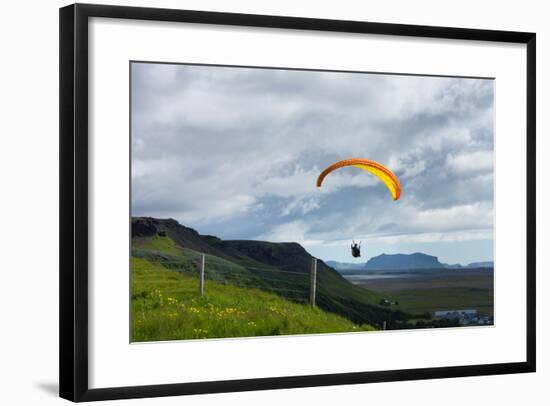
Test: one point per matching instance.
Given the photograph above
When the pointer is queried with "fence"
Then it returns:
(312, 276)
(286, 281)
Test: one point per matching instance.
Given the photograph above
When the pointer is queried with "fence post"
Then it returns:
(384, 325)
(313, 281)
(201, 277)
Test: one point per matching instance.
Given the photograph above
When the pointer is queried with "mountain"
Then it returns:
(281, 268)
(417, 260)
(454, 266)
(472, 265)
(402, 262)
(484, 264)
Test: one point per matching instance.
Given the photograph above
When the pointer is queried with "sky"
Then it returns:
(235, 152)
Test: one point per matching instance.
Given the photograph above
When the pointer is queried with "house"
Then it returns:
(456, 314)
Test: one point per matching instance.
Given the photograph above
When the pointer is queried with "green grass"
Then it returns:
(157, 243)
(448, 298)
(164, 251)
(334, 293)
(427, 294)
(166, 306)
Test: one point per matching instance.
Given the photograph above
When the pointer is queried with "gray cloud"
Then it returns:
(235, 152)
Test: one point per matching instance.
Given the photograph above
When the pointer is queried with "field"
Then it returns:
(166, 305)
(428, 293)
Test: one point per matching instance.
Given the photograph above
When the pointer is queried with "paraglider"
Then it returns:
(378, 170)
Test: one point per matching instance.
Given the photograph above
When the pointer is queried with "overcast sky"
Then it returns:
(235, 152)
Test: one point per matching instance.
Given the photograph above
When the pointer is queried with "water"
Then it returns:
(366, 277)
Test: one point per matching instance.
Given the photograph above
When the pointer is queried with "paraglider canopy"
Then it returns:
(378, 170)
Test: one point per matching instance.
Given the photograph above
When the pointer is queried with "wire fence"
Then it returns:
(289, 281)
(296, 282)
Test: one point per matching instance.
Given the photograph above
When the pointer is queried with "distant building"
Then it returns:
(464, 317)
(455, 314)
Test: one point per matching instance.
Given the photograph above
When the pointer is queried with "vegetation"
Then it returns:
(164, 251)
(456, 298)
(281, 268)
(455, 290)
(166, 306)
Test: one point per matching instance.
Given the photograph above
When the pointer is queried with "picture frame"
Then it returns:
(76, 172)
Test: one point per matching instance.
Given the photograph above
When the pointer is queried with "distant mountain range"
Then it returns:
(404, 262)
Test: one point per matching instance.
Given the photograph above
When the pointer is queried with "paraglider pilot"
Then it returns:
(356, 249)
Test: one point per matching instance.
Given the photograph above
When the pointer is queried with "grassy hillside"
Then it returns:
(166, 306)
(164, 251)
(281, 268)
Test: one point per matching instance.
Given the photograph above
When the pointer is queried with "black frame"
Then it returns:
(73, 278)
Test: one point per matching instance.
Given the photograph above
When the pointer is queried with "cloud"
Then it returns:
(471, 163)
(235, 152)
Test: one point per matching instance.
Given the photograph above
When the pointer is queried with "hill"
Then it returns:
(281, 268)
(417, 260)
(166, 306)
(485, 264)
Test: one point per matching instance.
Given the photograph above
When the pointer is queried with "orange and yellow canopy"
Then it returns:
(378, 170)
